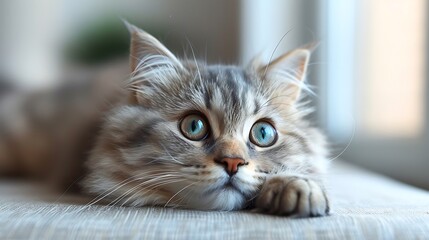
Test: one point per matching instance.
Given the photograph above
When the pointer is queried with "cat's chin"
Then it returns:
(225, 199)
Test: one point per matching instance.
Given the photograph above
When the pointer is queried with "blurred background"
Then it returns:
(369, 71)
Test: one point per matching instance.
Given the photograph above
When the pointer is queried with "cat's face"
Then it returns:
(199, 136)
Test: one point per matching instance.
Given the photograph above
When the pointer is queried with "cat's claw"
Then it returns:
(293, 196)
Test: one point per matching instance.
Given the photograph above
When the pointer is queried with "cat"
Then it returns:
(177, 133)
(210, 137)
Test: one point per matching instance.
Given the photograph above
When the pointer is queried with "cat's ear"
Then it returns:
(145, 46)
(150, 61)
(285, 75)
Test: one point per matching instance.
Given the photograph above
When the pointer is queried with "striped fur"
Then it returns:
(141, 157)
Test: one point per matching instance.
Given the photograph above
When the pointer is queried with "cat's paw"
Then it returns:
(293, 196)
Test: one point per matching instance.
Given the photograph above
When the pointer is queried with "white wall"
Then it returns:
(263, 24)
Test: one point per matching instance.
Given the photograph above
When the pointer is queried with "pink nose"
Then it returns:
(231, 164)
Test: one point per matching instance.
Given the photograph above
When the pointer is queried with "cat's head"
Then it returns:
(203, 136)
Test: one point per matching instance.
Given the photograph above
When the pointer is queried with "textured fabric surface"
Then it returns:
(365, 206)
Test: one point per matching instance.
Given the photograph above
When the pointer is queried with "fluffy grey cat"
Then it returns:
(210, 137)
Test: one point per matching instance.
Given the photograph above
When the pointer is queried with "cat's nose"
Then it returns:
(231, 164)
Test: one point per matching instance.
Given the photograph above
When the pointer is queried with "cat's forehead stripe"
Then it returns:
(229, 94)
(207, 97)
(232, 81)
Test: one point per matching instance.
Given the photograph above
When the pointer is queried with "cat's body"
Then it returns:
(208, 137)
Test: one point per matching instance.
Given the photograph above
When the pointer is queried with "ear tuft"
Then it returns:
(292, 64)
(152, 64)
(285, 75)
(143, 46)
(131, 28)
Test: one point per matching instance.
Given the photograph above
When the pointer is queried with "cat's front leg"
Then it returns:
(291, 195)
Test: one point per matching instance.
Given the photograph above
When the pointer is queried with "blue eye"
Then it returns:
(263, 134)
(194, 127)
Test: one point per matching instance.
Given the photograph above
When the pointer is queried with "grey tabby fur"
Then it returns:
(141, 158)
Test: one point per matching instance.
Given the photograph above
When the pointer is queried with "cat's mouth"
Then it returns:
(230, 185)
(227, 185)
